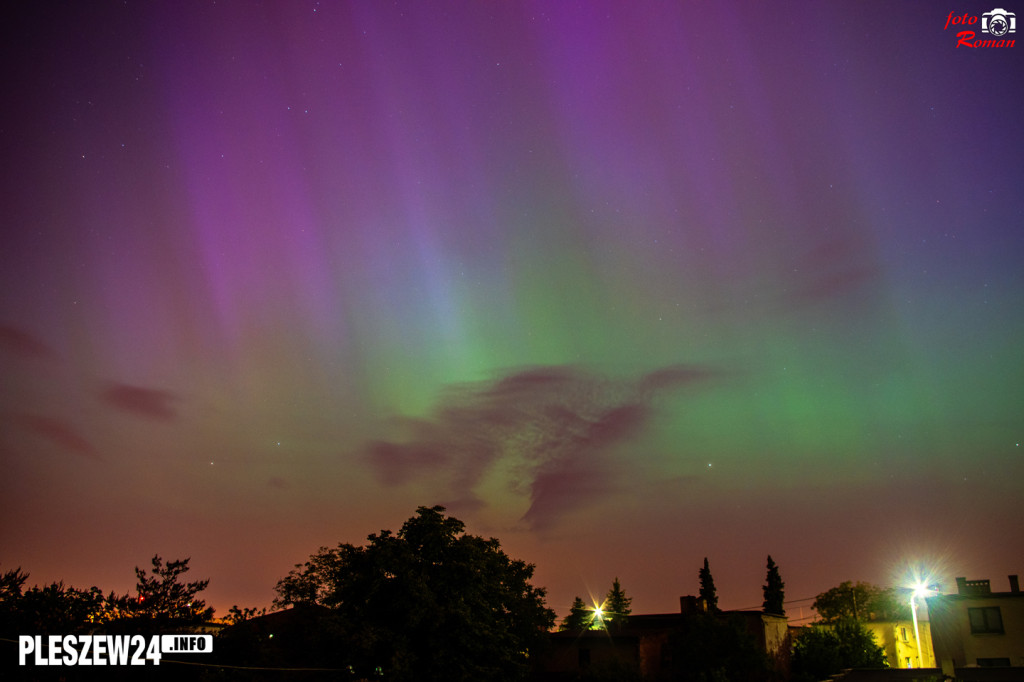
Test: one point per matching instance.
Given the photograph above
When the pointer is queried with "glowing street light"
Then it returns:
(920, 590)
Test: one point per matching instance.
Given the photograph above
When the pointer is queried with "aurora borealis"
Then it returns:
(624, 285)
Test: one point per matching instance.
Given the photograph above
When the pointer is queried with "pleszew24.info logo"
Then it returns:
(107, 649)
(998, 24)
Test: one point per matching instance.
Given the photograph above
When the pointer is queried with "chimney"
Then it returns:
(690, 604)
(961, 585)
(1014, 584)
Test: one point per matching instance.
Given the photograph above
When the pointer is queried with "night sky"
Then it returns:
(622, 284)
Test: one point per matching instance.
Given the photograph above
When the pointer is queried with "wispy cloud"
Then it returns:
(831, 269)
(60, 433)
(19, 342)
(144, 402)
(550, 430)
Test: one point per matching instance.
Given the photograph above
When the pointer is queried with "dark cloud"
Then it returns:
(145, 402)
(469, 504)
(531, 382)
(832, 285)
(831, 269)
(677, 376)
(19, 342)
(551, 431)
(562, 486)
(60, 434)
(620, 423)
(396, 463)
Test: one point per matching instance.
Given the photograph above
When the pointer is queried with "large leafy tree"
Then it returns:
(889, 604)
(844, 642)
(163, 603)
(428, 603)
(860, 601)
(707, 588)
(774, 593)
(820, 652)
(60, 609)
(48, 610)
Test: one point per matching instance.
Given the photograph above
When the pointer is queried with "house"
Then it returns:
(304, 636)
(900, 645)
(641, 643)
(978, 628)
(644, 643)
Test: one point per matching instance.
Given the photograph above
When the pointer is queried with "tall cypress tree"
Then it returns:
(774, 595)
(707, 588)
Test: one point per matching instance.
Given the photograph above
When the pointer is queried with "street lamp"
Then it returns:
(920, 590)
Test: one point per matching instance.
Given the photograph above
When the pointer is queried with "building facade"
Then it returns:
(643, 645)
(977, 627)
(902, 650)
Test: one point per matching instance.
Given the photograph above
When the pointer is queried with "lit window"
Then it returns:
(986, 620)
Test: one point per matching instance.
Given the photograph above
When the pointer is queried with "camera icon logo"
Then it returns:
(999, 22)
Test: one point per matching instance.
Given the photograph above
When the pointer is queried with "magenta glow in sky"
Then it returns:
(624, 285)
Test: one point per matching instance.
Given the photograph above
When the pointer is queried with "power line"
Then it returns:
(788, 601)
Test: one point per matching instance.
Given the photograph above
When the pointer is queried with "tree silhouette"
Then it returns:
(860, 601)
(820, 652)
(711, 648)
(774, 594)
(428, 603)
(617, 604)
(164, 600)
(579, 618)
(707, 588)
(59, 609)
(11, 583)
(54, 609)
(237, 614)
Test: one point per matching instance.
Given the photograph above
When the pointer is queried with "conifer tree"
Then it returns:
(707, 588)
(617, 604)
(774, 595)
(579, 618)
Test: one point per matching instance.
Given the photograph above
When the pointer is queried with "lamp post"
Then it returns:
(920, 590)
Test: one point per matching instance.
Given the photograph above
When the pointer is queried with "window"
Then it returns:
(986, 620)
(903, 632)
